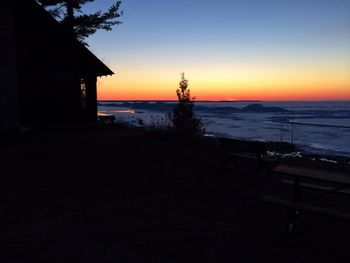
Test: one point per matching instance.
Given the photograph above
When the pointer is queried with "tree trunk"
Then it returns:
(70, 16)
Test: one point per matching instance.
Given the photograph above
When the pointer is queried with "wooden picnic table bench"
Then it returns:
(249, 149)
(300, 178)
(237, 151)
(105, 118)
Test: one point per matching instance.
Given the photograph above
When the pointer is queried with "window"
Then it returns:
(83, 101)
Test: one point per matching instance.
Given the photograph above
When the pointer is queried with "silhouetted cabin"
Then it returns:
(46, 75)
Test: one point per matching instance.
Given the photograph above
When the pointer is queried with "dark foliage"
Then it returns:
(83, 25)
(183, 117)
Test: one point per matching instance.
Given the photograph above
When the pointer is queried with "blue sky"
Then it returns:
(183, 35)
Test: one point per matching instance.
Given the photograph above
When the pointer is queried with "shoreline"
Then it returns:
(322, 136)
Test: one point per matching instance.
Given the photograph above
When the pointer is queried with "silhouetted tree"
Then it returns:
(83, 25)
(183, 117)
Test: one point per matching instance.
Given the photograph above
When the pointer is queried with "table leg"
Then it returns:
(293, 212)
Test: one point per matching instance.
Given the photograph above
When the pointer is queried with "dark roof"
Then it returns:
(89, 62)
(80, 58)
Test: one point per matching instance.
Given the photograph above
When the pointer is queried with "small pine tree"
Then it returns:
(183, 117)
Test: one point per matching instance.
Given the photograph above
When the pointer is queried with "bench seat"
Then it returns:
(106, 118)
(237, 151)
(307, 207)
(316, 174)
(317, 187)
(301, 178)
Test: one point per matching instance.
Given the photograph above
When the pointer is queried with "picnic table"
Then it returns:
(300, 178)
(235, 152)
(105, 118)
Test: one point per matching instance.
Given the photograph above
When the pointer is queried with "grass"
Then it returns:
(125, 195)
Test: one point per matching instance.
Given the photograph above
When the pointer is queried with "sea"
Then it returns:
(316, 127)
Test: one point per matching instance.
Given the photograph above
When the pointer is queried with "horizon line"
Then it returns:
(160, 100)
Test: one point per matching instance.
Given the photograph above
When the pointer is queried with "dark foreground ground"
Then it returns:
(121, 195)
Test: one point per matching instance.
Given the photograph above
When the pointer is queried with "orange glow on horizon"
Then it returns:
(231, 83)
(111, 91)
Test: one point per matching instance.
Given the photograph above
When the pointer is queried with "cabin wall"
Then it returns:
(9, 111)
(38, 61)
(49, 72)
(41, 69)
(91, 97)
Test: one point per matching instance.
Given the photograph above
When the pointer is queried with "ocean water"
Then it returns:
(321, 127)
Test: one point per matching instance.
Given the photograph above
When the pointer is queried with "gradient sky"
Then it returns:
(229, 49)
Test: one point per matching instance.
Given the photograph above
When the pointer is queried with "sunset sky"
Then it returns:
(229, 49)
